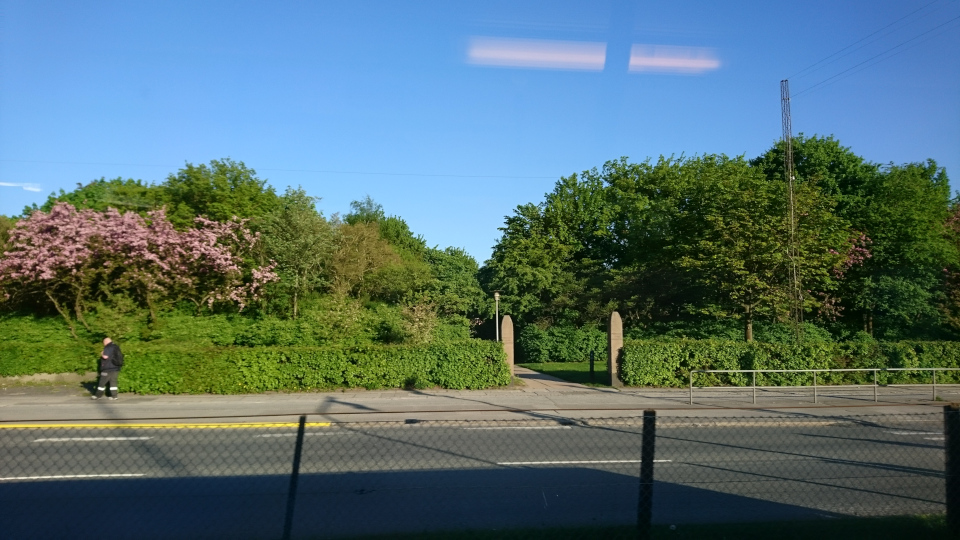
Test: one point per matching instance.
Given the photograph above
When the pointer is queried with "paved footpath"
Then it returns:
(534, 395)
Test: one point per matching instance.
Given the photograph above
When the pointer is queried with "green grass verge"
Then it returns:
(575, 372)
(884, 528)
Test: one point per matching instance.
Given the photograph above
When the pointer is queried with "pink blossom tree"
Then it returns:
(72, 256)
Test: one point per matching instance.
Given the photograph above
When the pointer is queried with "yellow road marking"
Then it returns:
(164, 426)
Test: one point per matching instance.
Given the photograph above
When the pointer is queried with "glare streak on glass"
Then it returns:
(672, 59)
(535, 53)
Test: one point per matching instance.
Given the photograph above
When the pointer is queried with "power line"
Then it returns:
(818, 62)
(809, 88)
(370, 173)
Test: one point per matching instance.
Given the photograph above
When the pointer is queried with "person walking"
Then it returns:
(111, 359)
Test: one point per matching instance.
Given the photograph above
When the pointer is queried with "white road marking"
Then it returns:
(579, 462)
(68, 476)
(934, 438)
(913, 433)
(294, 434)
(519, 427)
(67, 439)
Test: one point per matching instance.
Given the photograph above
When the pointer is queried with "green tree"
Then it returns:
(301, 242)
(393, 229)
(905, 213)
(737, 241)
(219, 191)
(359, 253)
(527, 266)
(456, 289)
(6, 224)
(902, 210)
(124, 195)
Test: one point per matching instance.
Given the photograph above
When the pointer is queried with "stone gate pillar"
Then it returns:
(506, 336)
(615, 349)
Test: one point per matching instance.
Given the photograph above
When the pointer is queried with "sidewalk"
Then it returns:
(539, 395)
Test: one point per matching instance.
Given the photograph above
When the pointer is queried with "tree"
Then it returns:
(301, 241)
(527, 266)
(6, 224)
(101, 194)
(73, 256)
(52, 254)
(905, 212)
(358, 254)
(220, 191)
(456, 289)
(393, 229)
(736, 241)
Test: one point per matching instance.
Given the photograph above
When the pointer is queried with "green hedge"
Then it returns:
(559, 344)
(667, 363)
(161, 369)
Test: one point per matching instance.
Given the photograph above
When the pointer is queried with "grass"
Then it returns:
(575, 372)
(884, 528)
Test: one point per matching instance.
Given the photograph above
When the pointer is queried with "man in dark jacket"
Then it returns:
(110, 361)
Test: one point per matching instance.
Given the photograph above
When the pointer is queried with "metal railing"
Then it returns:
(815, 386)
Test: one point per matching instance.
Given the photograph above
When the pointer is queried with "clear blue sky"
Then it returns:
(452, 113)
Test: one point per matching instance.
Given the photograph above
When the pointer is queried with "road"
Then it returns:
(381, 477)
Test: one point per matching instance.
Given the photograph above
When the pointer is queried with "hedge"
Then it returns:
(559, 344)
(667, 363)
(159, 369)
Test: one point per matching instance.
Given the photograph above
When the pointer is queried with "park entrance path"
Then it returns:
(533, 380)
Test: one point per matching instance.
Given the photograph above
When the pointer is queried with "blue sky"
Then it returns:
(452, 113)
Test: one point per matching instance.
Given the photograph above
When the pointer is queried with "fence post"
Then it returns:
(951, 433)
(874, 386)
(754, 387)
(934, 384)
(648, 445)
(294, 477)
(814, 386)
(691, 387)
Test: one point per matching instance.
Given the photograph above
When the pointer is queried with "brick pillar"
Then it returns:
(506, 337)
(615, 340)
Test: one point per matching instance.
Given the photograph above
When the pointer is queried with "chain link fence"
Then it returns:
(337, 480)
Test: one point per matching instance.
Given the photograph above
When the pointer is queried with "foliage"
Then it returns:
(301, 242)
(152, 368)
(902, 213)
(560, 344)
(221, 191)
(6, 225)
(75, 257)
(688, 240)
(99, 195)
(669, 362)
(360, 252)
(456, 289)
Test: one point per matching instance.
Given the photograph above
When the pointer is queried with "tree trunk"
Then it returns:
(63, 312)
(748, 325)
(296, 291)
(78, 309)
(150, 308)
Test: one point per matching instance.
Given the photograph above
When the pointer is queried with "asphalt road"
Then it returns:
(368, 477)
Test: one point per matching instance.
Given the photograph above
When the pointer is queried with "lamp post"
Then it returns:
(496, 298)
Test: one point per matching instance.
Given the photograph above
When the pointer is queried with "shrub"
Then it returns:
(669, 362)
(156, 368)
(559, 344)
